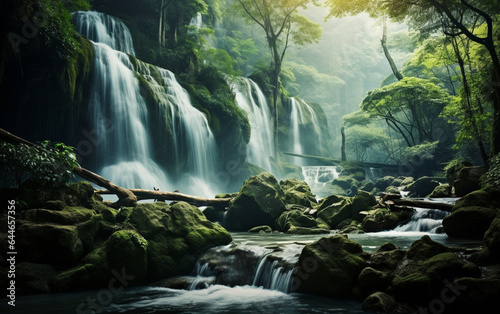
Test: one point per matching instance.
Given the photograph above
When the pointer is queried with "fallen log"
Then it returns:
(423, 204)
(125, 197)
(173, 196)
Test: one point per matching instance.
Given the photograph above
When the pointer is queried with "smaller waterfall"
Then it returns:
(250, 98)
(318, 176)
(102, 28)
(271, 275)
(196, 21)
(424, 220)
(298, 125)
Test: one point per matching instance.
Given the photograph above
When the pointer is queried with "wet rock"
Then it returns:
(371, 279)
(329, 267)
(298, 192)
(259, 202)
(422, 187)
(383, 219)
(379, 302)
(442, 190)
(49, 243)
(469, 222)
(468, 180)
(68, 216)
(383, 183)
(425, 248)
(492, 238)
(345, 208)
(486, 197)
(294, 218)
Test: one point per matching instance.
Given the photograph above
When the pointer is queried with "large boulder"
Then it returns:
(259, 202)
(384, 219)
(468, 180)
(469, 222)
(336, 209)
(298, 192)
(329, 267)
(295, 218)
(48, 243)
(492, 238)
(422, 187)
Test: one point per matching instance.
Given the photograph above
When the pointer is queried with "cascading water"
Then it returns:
(192, 137)
(319, 176)
(250, 98)
(120, 116)
(298, 119)
(196, 21)
(102, 28)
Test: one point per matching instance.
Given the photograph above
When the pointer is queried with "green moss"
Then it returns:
(127, 249)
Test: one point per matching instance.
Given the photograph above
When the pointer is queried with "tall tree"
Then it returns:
(282, 25)
(453, 17)
(172, 15)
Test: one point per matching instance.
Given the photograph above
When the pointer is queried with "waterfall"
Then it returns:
(119, 115)
(424, 220)
(298, 122)
(102, 28)
(271, 275)
(250, 98)
(196, 21)
(192, 138)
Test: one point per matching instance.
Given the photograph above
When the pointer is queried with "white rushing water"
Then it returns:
(250, 98)
(119, 115)
(301, 112)
(102, 28)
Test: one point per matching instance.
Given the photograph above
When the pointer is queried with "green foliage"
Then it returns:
(47, 164)
(493, 174)
(425, 150)
(360, 139)
(76, 5)
(411, 107)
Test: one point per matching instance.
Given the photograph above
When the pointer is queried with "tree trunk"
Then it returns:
(125, 197)
(342, 148)
(173, 196)
(383, 41)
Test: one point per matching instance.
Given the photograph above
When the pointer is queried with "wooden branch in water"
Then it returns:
(395, 199)
(174, 196)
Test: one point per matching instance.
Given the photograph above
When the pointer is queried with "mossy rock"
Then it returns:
(425, 248)
(486, 197)
(108, 214)
(371, 279)
(383, 183)
(69, 216)
(442, 190)
(362, 201)
(337, 212)
(259, 202)
(379, 302)
(261, 229)
(304, 231)
(423, 187)
(332, 266)
(298, 192)
(383, 219)
(87, 276)
(294, 218)
(492, 238)
(126, 249)
(353, 169)
(475, 295)
(48, 243)
(344, 182)
(469, 222)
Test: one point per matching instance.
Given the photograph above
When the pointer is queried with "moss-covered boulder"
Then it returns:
(298, 192)
(384, 219)
(371, 279)
(336, 209)
(329, 267)
(422, 187)
(379, 302)
(259, 202)
(474, 295)
(442, 190)
(468, 180)
(68, 216)
(295, 218)
(48, 243)
(486, 197)
(469, 222)
(492, 238)
(127, 249)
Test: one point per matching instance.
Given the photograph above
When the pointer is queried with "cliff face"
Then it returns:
(44, 72)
